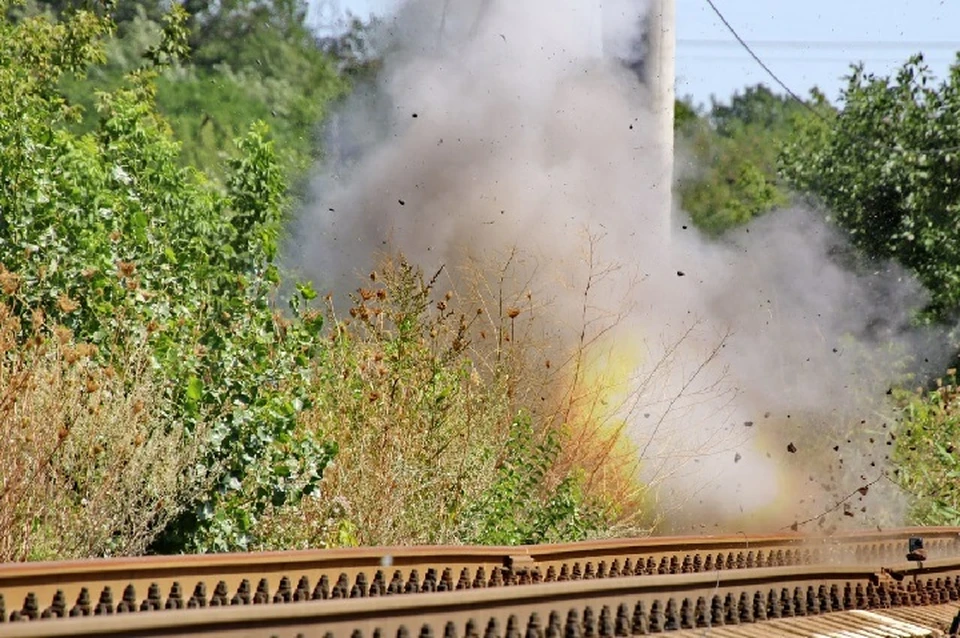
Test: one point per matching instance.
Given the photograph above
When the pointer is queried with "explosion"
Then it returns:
(495, 134)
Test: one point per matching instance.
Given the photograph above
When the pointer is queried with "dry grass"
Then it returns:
(420, 388)
(418, 428)
(89, 467)
(423, 381)
(563, 371)
(584, 371)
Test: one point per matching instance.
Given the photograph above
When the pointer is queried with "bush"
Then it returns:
(427, 396)
(90, 466)
(112, 237)
(927, 451)
(169, 279)
(884, 165)
(516, 509)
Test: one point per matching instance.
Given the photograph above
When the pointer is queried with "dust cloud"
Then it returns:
(497, 125)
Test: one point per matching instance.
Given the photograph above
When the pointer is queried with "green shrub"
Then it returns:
(927, 452)
(111, 236)
(436, 444)
(521, 507)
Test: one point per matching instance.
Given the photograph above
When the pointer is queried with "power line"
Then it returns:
(761, 62)
(692, 55)
(820, 44)
(796, 97)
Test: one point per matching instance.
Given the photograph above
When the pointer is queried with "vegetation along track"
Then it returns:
(616, 587)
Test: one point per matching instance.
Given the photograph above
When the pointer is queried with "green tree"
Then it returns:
(757, 106)
(354, 49)
(111, 236)
(732, 177)
(885, 166)
(247, 61)
(927, 451)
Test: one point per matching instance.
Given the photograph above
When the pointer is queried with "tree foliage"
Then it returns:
(885, 166)
(111, 236)
(732, 174)
(355, 50)
(243, 61)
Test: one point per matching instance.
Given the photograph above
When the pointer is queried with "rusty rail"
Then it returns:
(601, 608)
(105, 587)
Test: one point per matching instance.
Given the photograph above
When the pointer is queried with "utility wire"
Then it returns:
(820, 44)
(792, 94)
(696, 55)
(761, 62)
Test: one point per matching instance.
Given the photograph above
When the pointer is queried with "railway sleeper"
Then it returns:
(444, 581)
(670, 614)
(514, 571)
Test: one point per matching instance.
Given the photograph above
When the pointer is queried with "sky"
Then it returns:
(809, 43)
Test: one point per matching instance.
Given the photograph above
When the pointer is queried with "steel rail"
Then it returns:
(103, 586)
(604, 608)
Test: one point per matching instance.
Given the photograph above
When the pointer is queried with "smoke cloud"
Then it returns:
(496, 125)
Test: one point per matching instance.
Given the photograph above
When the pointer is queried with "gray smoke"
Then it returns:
(495, 125)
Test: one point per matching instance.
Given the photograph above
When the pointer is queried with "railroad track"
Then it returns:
(608, 588)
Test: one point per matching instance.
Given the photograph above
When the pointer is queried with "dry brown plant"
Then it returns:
(422, 382)
(576, 378)
(88, 465)
(549, 371)
(416, 426)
